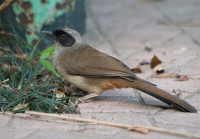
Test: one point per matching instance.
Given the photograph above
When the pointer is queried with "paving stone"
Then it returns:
(194, 101)
(63, 134)
(150, 135)
(110, 6)
(181, 128)
(181, 44)
(194, 63)
(180, 10)
(149, 33)
(6, 133)
(170, 83)
(179, 118)
(19, 123)
(193, 32)
(156, 110)
(4, 119)
(165, 56)
(192, 72)
(112, 104)
(129, 118)
(126, 92)
(123, 51)
(100, 130)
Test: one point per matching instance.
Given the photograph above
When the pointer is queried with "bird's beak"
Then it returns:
(49, 33)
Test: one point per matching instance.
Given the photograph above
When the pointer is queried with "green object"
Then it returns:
(30, 17)
(48, 53)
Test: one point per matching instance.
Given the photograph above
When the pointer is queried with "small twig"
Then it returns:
(170, 90)
(139, 129)
(135, 128)
(42, 119)
(6, 86)
(6, 4)
(4, 81)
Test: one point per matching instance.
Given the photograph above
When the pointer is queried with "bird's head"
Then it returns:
(65, 37)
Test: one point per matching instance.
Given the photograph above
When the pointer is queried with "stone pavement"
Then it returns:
(123, 29)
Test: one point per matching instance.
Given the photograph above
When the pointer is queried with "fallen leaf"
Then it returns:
(155, 61)
(65, 90)
(59, 94)
(173, 91)
(165, 76)
(159, 69)
(20, 106)
(137, 69)
(182, 78)
(144, 63)
(21, 56)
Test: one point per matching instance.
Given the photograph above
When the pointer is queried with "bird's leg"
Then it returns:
(82, 99)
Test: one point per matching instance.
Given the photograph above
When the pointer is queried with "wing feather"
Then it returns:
(89, 62)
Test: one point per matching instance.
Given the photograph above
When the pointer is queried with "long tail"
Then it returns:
(163, 96)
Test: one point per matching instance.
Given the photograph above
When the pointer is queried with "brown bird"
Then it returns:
(93, 71)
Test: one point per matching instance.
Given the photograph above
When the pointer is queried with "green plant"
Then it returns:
(48, 53)
(25, 82)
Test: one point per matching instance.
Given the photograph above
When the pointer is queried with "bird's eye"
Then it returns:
(63, 36)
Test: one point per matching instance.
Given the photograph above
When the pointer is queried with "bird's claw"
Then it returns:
(73, 107)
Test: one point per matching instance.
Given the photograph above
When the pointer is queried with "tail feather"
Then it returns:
(164, 96)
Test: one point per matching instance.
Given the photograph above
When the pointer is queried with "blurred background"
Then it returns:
(128, 21)
(131, 22)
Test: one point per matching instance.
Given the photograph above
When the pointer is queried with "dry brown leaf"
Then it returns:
(65, 90)
(137, 69)
(155, 61)
(139, 129)
(165, 76)
(21, 56)
(159, 69)
(20, 106)
(182, 78)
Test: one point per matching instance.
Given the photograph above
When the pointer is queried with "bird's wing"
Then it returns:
(89, 62)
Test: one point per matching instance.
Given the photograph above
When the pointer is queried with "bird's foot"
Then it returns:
(73, 106)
